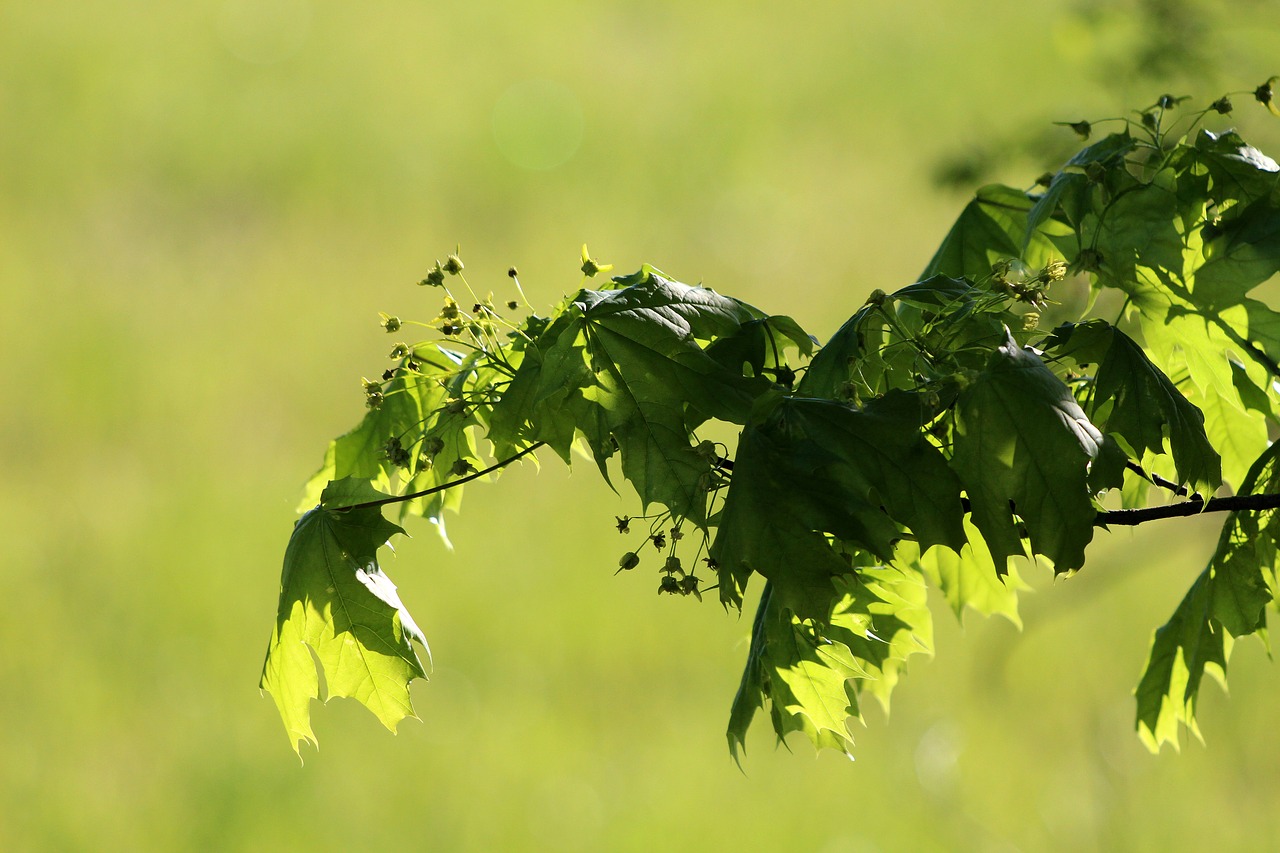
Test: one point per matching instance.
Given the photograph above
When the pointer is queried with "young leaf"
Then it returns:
(408, 398)
(337, 605)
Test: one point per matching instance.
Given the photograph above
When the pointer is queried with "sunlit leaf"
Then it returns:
(1133, 399)
(1023, 445)
(339, 612)
(1227, 601)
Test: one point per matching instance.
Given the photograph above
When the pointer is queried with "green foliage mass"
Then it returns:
(945, 430)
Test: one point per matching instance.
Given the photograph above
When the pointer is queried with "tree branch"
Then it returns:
(449, 485)
(1155, 479)
(1235, 503)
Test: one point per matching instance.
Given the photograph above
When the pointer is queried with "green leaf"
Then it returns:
(1227, 601)
(762, 530)
(340, 612)
(450, 430)
(968, 578)
(882, 615)
(993, 227)
(408, 398)
(758, 347)
(631, 365)
(813, 467)
(544, 401)
(1186, 237)
(1071, 190)
(809, 672)
(1023, 444)
(1132, 398)
(924, 332)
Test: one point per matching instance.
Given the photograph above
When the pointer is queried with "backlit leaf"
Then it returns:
(1227, 601)
(340, 612)
(1133, 399)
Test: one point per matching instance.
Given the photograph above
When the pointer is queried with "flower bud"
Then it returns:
(1054, 271)
(435, 278)
(1089, 260)
(1080, 128)
(1264, 93)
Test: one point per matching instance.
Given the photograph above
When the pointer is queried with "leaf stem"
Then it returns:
(449, 485)
(1156, 479)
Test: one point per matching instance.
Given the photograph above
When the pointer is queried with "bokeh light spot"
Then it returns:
(538, 124)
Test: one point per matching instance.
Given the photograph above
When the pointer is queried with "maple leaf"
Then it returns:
(337, 605)
(1024, 444)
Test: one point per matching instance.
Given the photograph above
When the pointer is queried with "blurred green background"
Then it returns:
(203, 206)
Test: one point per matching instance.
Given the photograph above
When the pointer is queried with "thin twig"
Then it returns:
(1156, 479)
(449, 485)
